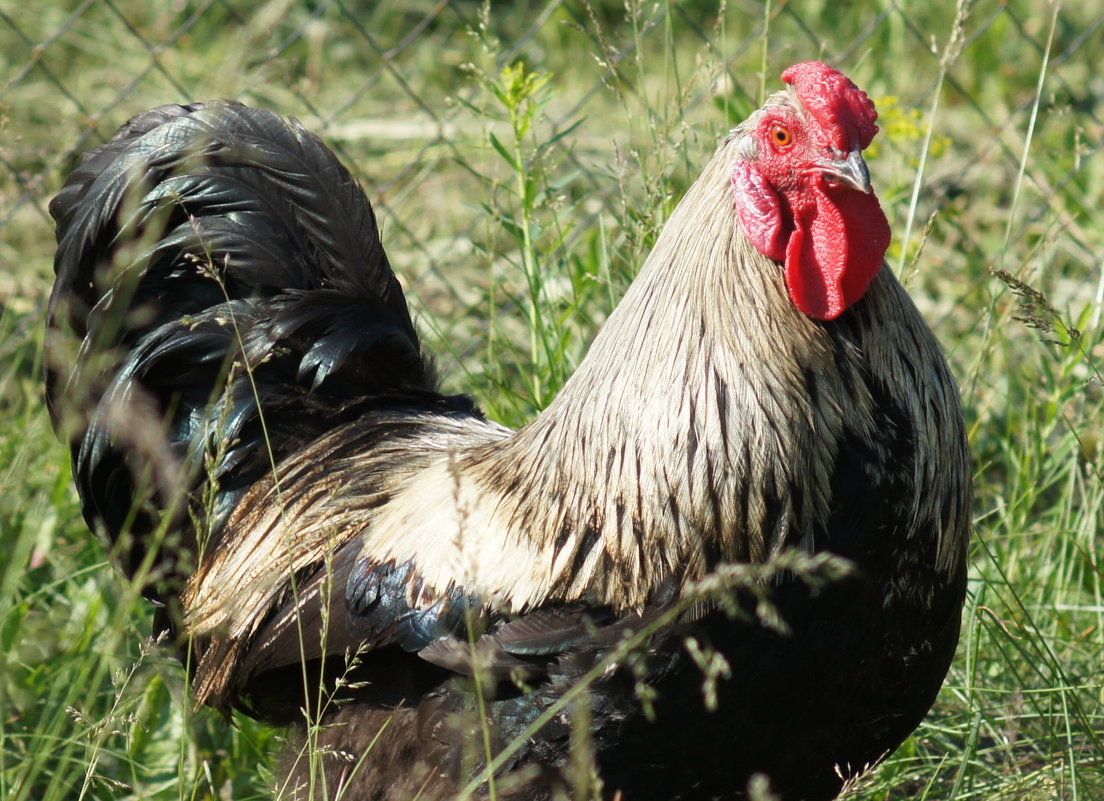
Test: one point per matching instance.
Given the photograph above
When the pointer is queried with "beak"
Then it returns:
(850, 171)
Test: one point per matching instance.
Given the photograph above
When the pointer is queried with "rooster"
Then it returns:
(733, 545)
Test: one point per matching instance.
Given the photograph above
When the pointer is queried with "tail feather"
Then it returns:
(245, 190)
(227, 263)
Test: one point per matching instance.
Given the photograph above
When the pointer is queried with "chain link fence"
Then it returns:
(405, 92)
(992, 116)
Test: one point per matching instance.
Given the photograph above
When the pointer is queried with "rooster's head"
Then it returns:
(803, 194)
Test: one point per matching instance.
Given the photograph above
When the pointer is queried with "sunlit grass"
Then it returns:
(523, 163)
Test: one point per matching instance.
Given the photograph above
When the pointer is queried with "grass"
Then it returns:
(522, 162)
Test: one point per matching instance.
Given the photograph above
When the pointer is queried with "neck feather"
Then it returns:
(677, 434)
(713, 422)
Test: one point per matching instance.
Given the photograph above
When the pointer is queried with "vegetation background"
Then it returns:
(522, 156)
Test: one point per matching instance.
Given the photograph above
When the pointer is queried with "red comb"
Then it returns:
(842, 109)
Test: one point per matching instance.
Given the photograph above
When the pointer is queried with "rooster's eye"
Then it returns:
(781, 135)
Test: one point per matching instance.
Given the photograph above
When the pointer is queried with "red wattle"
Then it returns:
(837, 247)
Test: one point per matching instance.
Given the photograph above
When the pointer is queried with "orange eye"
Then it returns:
(781, 135)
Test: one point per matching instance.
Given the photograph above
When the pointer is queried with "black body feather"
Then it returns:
(254, 279)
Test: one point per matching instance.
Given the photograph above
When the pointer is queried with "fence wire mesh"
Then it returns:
(405, 93)
(989, 158)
